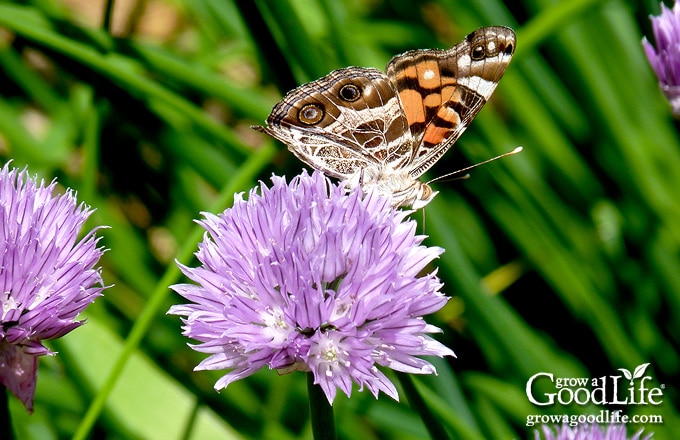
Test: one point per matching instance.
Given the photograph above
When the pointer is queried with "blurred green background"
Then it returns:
(563, 259)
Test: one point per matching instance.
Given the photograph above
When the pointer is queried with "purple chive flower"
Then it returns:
(665, 59)
(588, 432)
(306, 277)
(47, 275)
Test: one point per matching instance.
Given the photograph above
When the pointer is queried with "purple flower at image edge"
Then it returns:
(306, 277)
(588, 432)
(47, 275)
(665, 58)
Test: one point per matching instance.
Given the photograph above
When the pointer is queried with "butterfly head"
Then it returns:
(416, 197)
(402, 188)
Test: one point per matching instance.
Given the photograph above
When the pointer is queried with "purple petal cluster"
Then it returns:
(665, 59)
(588, 432)
(303, 276)
(47, 274)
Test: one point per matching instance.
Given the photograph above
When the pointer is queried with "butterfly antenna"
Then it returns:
(462, 170)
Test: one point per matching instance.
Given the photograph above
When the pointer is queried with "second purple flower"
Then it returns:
(665, 58)
(47, 274)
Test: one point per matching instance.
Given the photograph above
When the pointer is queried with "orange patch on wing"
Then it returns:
(448, 115)
(428, 74)
(412, 101)
(433, 100)
(407, 72)
(448, 81)
(449, 94)
(435, 134)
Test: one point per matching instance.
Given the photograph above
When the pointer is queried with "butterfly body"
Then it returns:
(384, 130)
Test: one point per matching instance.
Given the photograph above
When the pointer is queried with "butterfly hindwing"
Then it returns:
(346, 121)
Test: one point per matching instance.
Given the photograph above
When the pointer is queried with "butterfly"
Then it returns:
(383, 130)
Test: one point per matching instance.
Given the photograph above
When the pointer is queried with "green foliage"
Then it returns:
(563, 259)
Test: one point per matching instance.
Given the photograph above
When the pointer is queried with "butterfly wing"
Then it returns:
(441, 91)
(348, 121)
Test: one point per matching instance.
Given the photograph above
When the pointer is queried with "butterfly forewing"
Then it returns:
(441, 91)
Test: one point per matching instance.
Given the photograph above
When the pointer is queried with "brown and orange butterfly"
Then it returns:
(372, 129)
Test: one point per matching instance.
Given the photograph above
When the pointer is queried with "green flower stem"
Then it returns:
(432, 424)
(321, 412)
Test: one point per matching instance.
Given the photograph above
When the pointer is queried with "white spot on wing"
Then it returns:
(478, 84)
